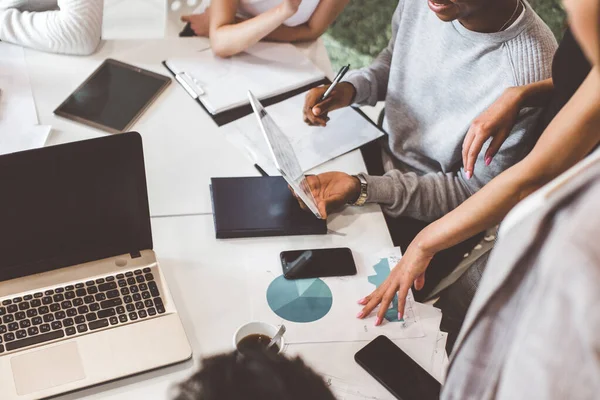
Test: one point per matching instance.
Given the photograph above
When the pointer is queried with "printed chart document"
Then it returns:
(18, 117)
(324, 310)
(266, 69)
(313, 145)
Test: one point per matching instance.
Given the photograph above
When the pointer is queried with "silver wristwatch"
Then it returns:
(362, 198)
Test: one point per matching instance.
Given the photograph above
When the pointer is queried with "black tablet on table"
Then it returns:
(113, 97)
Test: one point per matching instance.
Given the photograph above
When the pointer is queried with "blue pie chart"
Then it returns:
(300, 300)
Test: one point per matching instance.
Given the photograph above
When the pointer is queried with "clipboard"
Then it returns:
(225, 117)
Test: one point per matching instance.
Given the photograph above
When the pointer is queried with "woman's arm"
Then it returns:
(74, 28)
(327, 11)
(228, 38)
(571, 135)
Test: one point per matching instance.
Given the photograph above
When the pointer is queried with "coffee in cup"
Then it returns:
(257, 336)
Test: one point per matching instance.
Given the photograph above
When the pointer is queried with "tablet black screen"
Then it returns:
(113, 96)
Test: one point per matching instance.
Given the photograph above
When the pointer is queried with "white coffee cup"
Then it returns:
(257, 328)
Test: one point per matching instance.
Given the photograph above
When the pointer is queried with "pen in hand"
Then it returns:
(336, 80)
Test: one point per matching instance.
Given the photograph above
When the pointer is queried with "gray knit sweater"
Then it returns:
(435, 78)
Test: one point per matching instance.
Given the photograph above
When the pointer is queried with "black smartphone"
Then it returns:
(395, 370)
(317, 263)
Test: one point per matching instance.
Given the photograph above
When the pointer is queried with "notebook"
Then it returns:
(259, 206)
(267, 69)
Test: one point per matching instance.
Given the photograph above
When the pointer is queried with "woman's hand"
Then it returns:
(200, 23)
(315, 111)
(411, 269)
(496, 122)
(290, 7)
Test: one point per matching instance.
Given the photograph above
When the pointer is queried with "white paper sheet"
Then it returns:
(267, 69)
(16, 99)
(329, 305)
(18, 116)
(439, 358)
(346, 131)
(24, 139)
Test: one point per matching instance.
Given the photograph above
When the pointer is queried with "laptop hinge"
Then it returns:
(135, 254)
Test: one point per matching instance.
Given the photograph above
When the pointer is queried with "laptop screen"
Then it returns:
(72, 203)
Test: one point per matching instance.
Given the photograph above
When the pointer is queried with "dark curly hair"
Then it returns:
(253, 375)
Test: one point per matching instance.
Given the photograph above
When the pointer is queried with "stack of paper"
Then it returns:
(18, 118)
(266, 69)
(313, 145)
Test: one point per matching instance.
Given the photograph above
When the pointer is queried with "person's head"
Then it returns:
(482, 15)
(584, 18)
(253, 375)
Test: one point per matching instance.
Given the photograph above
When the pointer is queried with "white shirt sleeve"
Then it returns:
(75, 28)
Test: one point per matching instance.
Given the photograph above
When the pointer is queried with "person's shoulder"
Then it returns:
(536, 31)
(532, 50)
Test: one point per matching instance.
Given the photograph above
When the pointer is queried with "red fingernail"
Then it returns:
(378, 322)
(468, 174)
(359, 315)
(488, 160)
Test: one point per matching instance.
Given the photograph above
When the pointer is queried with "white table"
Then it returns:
(180, 139)
(199, 269)
(183, 148)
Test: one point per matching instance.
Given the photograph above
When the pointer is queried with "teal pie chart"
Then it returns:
(300, 300)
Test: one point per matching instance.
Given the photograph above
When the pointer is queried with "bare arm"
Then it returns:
(327, 11)
(535, 94)
(571, 135)
(228, 38)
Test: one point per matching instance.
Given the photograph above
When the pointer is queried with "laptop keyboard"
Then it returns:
(78, 309)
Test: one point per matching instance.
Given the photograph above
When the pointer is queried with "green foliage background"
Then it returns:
(363, 29)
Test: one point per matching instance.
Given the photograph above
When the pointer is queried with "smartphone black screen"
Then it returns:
(301, 264)
(395, 370)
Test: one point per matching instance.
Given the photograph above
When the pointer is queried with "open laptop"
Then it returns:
(283, 155)
(83, 299)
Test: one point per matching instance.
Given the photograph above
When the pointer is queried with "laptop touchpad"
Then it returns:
(47, 368)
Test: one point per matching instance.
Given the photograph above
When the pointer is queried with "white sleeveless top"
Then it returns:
(252, 8)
